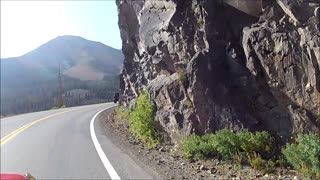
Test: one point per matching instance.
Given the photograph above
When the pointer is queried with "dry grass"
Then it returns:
(84, 72)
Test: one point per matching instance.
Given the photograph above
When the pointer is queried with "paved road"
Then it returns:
(58, 144)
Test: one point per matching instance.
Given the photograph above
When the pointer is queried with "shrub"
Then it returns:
(282, 161)
(304, 154)
(255, 142)
(238, 158)
(229, 143)
(255, 161)
(141, 121)
(226, 143)
(123, 113)
(196, 147)
(182, 76)
(190, 146)
(269, 167)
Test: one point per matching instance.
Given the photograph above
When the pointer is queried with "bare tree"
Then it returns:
(60, 93)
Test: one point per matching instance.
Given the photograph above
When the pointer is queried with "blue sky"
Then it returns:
(25, 25)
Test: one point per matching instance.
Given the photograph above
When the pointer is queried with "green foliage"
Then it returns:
(197, 147)
(270, 167)
(123, 113)
(61, 107)
(238, 158)
(259, 141)
(282, 161)
(141, 121)
(255, 161)
(182, 76)
(226, 144)
(304, 154)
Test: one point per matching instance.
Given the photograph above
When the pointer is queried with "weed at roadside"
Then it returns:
(141, 121)
(123, 113)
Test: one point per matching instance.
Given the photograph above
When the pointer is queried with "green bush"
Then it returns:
(226, 144)
(255, 142)
(197, 147)
(182, 76)
(123, 113)
(141, 121)
(190, 146)
(304, 154)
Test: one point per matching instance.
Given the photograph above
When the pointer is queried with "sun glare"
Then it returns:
(26, 25)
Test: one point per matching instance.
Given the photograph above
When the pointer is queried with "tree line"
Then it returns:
(39, 96)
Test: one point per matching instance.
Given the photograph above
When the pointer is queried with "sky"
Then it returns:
(25, 25)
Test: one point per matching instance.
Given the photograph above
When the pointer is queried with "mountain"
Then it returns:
(78, 57)
(83, 64)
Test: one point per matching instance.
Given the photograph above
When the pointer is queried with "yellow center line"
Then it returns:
(17, 131)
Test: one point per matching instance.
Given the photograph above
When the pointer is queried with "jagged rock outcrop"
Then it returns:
(210, 65)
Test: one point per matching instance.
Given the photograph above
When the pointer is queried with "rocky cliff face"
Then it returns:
(209, 65)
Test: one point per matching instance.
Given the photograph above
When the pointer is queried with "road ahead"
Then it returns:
(58, 144)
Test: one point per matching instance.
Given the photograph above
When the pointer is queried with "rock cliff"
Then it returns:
(209, 65)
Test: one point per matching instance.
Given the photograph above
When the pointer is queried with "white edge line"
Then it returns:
(111, 171)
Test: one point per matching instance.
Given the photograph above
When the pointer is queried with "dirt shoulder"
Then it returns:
(166, 163)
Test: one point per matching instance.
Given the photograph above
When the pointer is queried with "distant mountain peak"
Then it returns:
(81, 58)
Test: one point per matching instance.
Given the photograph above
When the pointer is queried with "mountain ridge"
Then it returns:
(67, 51)
(83, 63)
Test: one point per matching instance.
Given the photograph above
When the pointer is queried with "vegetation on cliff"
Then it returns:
(256, 149)
(141, 121)
(211, 65)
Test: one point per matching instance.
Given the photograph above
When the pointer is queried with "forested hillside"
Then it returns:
(88, 70)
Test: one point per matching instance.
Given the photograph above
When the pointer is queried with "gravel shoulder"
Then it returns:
(165, 162)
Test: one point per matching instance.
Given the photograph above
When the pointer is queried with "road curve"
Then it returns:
(57, 144)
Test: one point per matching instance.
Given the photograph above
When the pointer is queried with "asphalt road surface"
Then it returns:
(61, 144)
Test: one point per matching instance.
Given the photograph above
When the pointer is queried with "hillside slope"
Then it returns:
(32, 79)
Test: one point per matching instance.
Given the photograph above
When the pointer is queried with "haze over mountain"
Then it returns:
(83, 63)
